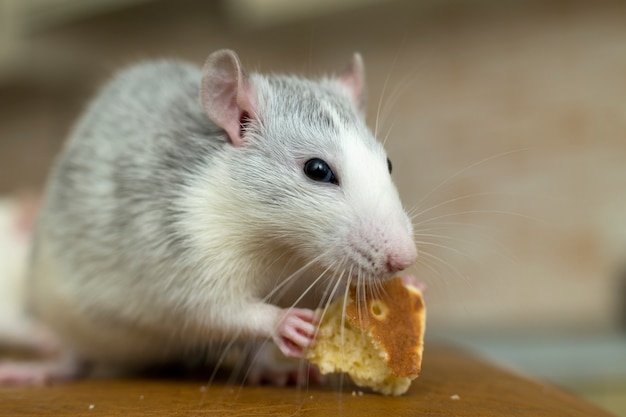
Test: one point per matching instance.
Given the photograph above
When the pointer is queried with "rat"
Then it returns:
(188, 203)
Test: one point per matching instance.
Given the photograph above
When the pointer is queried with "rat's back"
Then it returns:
(108, 227)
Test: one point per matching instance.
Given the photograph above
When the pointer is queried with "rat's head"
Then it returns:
(315, 180)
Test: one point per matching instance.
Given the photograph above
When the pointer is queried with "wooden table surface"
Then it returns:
(453, 383)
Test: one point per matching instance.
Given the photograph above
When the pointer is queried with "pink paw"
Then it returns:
(410, 280)
(296, 331)
(18, 373)
(284, 377)
(63, 368)
(269, 366)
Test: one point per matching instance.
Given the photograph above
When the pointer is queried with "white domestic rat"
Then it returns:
(186, 199)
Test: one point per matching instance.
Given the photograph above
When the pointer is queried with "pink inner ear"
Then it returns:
(353, 77)
(226, 94)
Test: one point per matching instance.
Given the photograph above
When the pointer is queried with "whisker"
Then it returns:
(343, 323)
(387, 78)
(466, 255)
(445, 263)
(436, 226)
(503, 212)
(397, 92)
(384, 141)
(413, 215)
(423, 262)
(302, 363)
(251, 351)
(421, 242)
(467, 168)
(221, 359)
(501, 250)
(311, 48)
(282, 285)
(310, 287)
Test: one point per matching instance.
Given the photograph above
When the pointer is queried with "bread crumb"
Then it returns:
(141, 397)
(203, 388)
(354, 393)
(91, 406)
(455, 397)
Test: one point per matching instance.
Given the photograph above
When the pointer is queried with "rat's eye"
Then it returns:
(318, 170)
(389, 165)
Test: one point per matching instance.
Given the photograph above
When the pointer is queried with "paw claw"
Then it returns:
(296, 331)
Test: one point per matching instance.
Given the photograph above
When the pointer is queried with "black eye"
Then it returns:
(389, 165)
(318, 170)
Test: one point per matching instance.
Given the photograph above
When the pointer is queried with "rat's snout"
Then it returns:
(375, 252)
(401, 258)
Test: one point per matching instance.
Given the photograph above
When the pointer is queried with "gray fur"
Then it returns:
(111, 198)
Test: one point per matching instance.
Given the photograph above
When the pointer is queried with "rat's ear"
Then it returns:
(353, 77)
(226, 94)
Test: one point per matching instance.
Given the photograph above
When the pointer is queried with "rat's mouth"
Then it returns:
(363, 276)
(367, 265)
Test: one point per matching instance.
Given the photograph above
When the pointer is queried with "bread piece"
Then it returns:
(380, 344)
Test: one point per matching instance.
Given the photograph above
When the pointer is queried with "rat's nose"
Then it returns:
(401, 259)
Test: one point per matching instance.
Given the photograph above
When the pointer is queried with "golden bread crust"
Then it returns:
(377, 337)
(395, 319)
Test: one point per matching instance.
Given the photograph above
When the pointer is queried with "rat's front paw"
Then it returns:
(410, 280)
(269, 366)
(296, 331)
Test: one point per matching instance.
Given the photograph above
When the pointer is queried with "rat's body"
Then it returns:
(184, 197)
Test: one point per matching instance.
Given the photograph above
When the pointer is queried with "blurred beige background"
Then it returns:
(505, 121)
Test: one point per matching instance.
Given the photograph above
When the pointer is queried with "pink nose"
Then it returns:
(399, 260)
